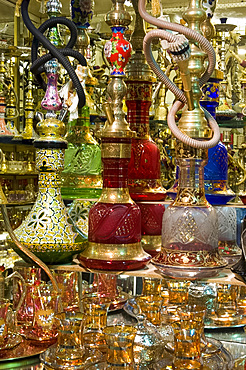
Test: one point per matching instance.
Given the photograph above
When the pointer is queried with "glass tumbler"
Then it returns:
(187, 337)
(120, 340)
(95, 309)
(46, 305)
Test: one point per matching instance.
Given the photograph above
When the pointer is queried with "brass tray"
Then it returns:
(26, 353)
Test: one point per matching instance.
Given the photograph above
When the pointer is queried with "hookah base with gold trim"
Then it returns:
(189, 264)
(113, 257)
(50, 256)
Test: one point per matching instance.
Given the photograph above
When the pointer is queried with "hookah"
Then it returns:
(224, 111)
(5, 134)
(81, 177)
(11, 107)
(190, 224)
(114, 235)
(48, 231)
(29, 134)
(144, 175)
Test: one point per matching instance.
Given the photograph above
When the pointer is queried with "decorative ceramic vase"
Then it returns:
(118, 50)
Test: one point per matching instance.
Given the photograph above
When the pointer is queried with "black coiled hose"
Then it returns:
(38, 63)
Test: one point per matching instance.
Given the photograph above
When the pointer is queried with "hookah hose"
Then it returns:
(25, 250)
(61, 54)
(179, 48)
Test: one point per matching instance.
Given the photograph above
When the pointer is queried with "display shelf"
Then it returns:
(226, 276)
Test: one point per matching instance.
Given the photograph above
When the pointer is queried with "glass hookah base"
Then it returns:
(114, 257)
(112, 265)
(229, 250)
(183, 264)
(151, 244)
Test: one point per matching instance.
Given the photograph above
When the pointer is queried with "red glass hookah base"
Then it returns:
(151, 218)
(145, 160)
(111, 223)
(127, 265)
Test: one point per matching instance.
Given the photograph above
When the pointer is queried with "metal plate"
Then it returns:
(21, 355)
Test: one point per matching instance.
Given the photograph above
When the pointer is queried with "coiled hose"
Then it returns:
(172, 38)
(60, 54)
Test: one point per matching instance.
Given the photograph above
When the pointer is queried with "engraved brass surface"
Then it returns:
(116, 150)
(115, 195)
(117, 252)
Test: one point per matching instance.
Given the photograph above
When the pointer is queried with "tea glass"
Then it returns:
(178, 292)
(227, 312)
(188, 327)
(120, 340)
(9, 337)
(150, 306)
(46, 304)
(95, 309)
(68, 352)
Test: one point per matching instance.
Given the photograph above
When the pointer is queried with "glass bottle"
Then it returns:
(81, 177)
